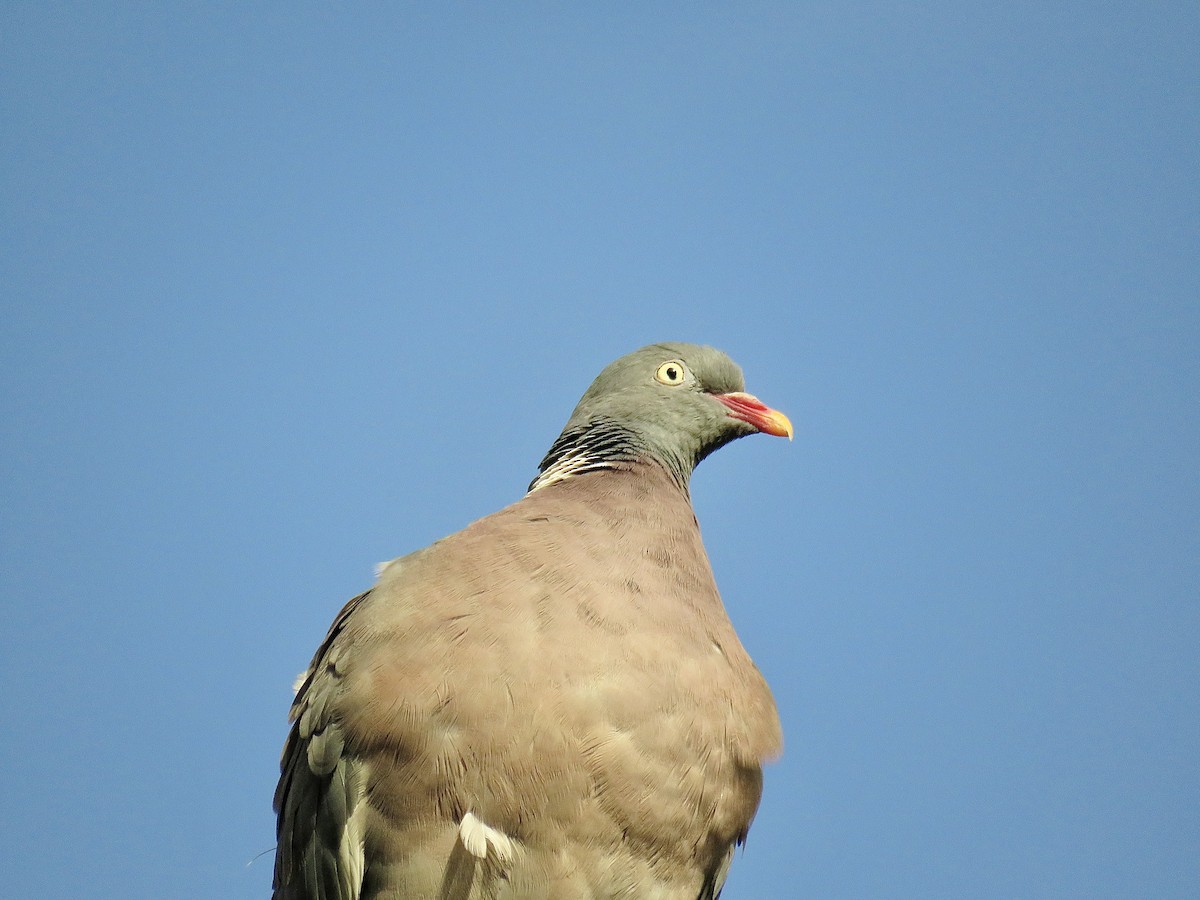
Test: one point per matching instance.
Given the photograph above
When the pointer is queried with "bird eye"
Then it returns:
(671, 373)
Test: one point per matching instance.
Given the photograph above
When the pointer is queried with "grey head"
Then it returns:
(670, 403)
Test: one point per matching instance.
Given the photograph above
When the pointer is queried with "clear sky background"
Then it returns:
(290, 289)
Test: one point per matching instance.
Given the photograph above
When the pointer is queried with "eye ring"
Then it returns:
(672, 373)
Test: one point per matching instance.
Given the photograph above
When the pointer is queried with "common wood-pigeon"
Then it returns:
(552, 703)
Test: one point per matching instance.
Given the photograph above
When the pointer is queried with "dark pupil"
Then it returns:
(672, 374)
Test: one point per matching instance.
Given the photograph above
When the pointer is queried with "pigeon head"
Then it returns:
(670, 403)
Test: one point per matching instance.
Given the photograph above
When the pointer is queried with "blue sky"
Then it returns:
(289, 290)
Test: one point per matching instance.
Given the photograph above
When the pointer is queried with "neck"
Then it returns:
(596, 446)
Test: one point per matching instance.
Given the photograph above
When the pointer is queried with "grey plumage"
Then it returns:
(552, 702)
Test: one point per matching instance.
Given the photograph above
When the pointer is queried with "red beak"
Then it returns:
(750, 409)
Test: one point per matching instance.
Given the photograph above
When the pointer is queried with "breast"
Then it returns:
(567, 690)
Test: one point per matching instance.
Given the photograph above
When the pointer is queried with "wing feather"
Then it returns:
(319, 800)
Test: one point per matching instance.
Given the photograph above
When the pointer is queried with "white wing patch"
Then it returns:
(382, 567)
(352, 845)
(481, 839)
